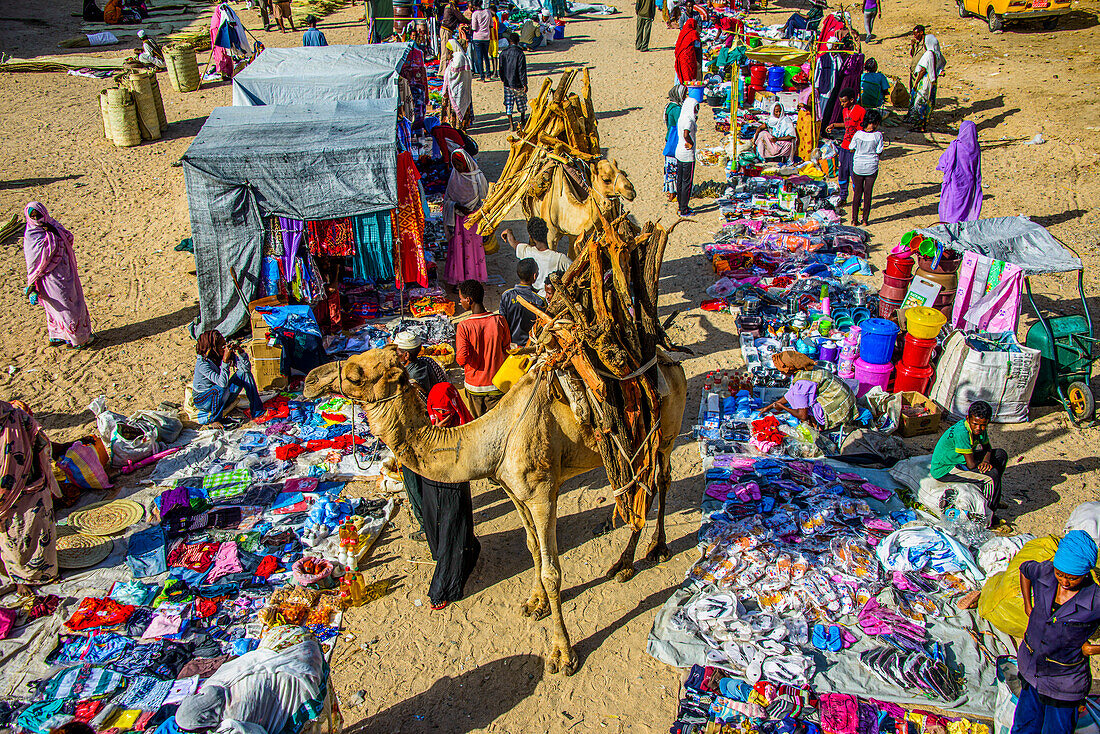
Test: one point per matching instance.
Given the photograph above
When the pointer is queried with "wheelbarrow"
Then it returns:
(1065, 344)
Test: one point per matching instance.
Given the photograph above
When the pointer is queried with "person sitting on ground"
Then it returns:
(520, 320)
(425, 372)
(481, 344)
(261, 691)
(1062, 603)
(815, 396)
(312, 36)
(873, 86)
(530, 35)
(28, 552)
(151, 52)
(222, 370)
(964, 454)
(513, 74)
(776, 136)
(547, 258)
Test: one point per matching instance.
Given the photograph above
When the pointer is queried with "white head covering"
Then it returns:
(407, 341)
(458, 79)
(933, 60)
(467, 189)
(780, 125)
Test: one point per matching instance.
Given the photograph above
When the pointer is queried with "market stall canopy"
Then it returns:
(781, 55)
(1016, 240)
(321, 161)
(294, 76)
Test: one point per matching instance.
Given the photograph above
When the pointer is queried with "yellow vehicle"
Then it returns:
(999, 12)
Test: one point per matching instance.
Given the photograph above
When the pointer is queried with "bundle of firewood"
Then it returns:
(602, 323)
(561, 125)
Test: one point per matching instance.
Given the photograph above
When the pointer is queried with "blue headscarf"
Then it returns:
(1076, 553)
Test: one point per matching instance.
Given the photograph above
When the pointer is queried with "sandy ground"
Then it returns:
(476, 666)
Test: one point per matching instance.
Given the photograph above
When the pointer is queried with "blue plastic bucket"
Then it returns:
(876, 343)
(695, 91)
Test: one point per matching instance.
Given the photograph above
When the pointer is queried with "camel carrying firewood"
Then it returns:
(602, 391)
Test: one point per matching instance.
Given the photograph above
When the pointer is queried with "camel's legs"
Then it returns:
(536, 605)
(623, 569)
(658, 551)
(545, 516)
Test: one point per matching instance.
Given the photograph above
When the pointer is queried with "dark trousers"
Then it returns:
(415, 495)
(480, 404)
(481, 59)
(862, 186)
(1036, 714)
(845, 160)
(685, 176)
(449, 529)
(641, 35)
(241, 380)
(989, 481)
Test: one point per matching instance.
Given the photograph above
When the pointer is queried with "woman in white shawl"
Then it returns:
(274, 689)
(466, 188)
(923, 78)
(776, 136)
(458, 83)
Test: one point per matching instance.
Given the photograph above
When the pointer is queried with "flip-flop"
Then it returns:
(832, 637)
(436, 606)
(819, 639)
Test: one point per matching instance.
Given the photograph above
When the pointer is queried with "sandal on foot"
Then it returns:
(436, 606)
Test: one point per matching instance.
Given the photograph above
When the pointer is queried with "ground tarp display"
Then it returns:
(309, 162)
(1016, 240)
(295, 76)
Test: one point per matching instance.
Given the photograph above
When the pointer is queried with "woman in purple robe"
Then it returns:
(961, 190)
(52, 279)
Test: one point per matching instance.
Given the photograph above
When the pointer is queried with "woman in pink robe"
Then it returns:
(52, 279)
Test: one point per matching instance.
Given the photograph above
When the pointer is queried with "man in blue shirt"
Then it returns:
(312, 36)
(519, 319)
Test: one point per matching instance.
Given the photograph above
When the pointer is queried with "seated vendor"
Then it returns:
(963, 454)
(222, 370)
(816, 396)
(260, 691)
(809, 21)
(1062, 602)
(425, 372)
(776, 136)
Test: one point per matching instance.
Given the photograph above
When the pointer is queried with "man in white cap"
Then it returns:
(425, 372)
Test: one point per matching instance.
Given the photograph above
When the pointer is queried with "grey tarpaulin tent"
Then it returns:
(312, 73)
(309, 162)
(1016, 240)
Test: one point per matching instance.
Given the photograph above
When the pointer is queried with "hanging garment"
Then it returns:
(373, 259)
(805, 130)
(409, 254)
(466, 255)
(331, 237)
(849, 70)
(292, 231)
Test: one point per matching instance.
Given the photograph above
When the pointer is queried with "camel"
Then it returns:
(565, 213)
(530, 443)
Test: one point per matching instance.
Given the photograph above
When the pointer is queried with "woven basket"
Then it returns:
(123, 116)
(158, 100)
(106, 117)
(183, 67)
(142, 92)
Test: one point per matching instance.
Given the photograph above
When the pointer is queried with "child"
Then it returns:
(963, 454)
(867, 145)
(520, 320)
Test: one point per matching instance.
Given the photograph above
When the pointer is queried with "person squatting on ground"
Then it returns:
(963, 454)
(222, 371)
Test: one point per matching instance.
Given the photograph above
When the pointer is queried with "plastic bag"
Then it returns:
(1001, 601)
(167, 426)
(105, 420)
(132, 442)
(899, 95)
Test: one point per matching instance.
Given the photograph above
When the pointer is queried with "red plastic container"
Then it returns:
(912, 378)
(918, 352)
(899, 267)
(758, 76)
(895, 282)
(887, 308)
(892, 293)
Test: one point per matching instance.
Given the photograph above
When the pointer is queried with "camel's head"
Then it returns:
(369, 377)
(610, 181)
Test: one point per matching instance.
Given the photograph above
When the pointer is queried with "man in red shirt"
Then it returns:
(853, 122)
(481, 341)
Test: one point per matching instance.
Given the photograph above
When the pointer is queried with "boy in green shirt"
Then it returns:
(963, 454)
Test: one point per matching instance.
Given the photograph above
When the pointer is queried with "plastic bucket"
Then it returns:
(913, 379)
(871, 375)
(895, 282)
(758, 74)
(695, 91)
(899, 267)
(828, 352)
(948, 281)
(887, 308)
(891, 293)
(918, 352)
(923, 322)
(876, 342)
(948, 263)
(776, 75)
